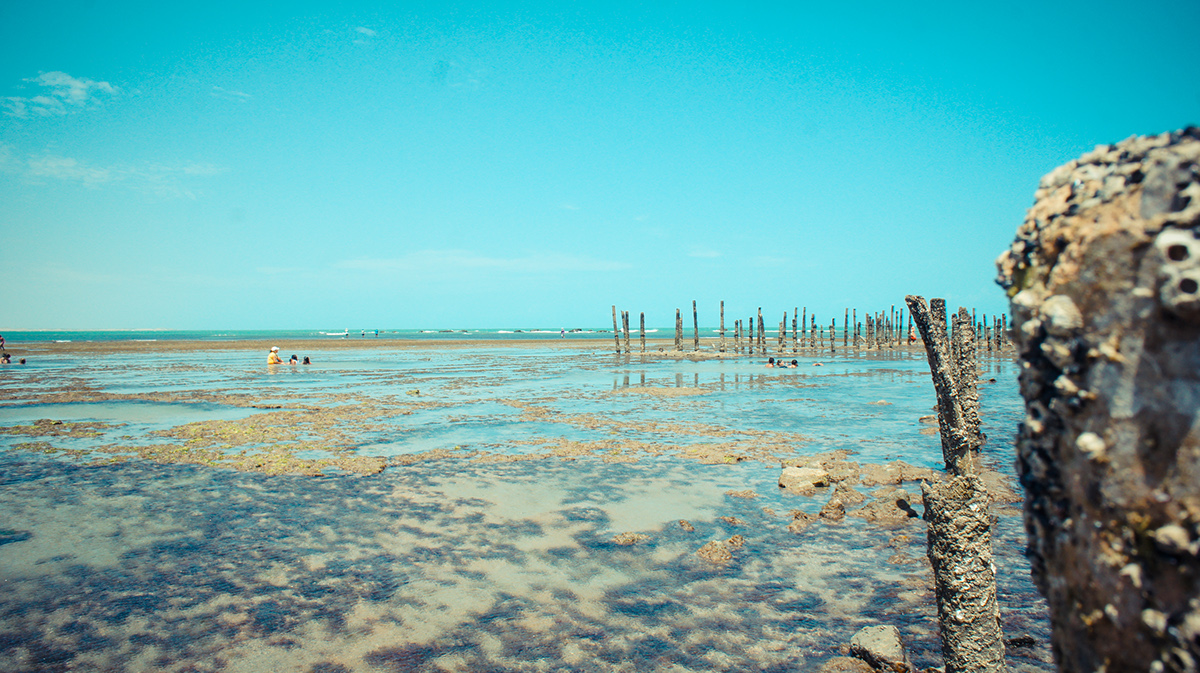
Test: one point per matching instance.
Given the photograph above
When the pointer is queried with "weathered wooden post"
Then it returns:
(870, 329)
(783, 332)
(722, 326)
(642, 320)
(804, 327)
(695, 327)
(678, 330)
(625, 326)
(812, 334)
(832, 334)
(959, 532)
(900, 338)
(762, 332)
(856, 330)
(616, 332)
(846, 329)
(1104, 283)
(795, 334)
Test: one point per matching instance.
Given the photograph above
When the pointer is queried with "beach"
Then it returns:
(421, 504)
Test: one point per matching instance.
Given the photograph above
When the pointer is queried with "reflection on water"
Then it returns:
(461, 565)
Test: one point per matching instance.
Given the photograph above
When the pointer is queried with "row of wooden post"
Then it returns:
(879, 330)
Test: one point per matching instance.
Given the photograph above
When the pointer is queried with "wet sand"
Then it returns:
(527, 514)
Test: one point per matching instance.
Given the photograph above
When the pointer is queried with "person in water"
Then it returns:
(770, 362)
(294, 360)
(273, 357)
(793, 365)
(306, 360)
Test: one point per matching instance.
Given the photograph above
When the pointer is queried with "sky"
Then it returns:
(407, 165)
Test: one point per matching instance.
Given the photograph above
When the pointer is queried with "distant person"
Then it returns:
(912, 338)
(1, 342)
(794, 365)
(562, 334)
(23, 362)
(770, 362)
(5, 359)
(273, 357)
(306, 360)
(294, 360)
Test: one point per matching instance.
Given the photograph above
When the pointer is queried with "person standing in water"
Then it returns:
(273, 357)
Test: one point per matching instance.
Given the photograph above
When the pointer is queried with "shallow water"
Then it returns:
(458, 564)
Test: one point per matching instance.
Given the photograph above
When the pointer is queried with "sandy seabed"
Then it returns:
(428, 506)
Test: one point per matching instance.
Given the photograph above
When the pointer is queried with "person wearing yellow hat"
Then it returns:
(273, 358)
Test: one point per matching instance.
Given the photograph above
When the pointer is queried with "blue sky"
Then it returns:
(409, 165)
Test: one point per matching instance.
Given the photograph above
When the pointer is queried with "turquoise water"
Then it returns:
(460, 562)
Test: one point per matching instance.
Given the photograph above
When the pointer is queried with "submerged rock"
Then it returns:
(803, 480)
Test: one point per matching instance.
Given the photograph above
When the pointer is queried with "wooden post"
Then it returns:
(616, 332)
(832, 334)
(678, 330)
(643, 323)
(846, 329)
(722, 326)
(625, 325)
(783, 332)
(762, 338)
(795, 334)
(855, 323)
(737, 336)
(957, 511)
(695, 327)
(812, 335)
(804, 327)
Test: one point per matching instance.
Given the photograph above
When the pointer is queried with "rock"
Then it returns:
(715, 552)
(848, 494)
(881, 647)
(687, 526)
(834, 510)
(803, 480)
(887, 512)
(747, 494)
(845, 665)
(720, 552)
(800, 521)
(732, 520)
(895, 472)
(627, 539)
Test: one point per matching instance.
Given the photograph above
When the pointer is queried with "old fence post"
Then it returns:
(959, 532)
(616, 331)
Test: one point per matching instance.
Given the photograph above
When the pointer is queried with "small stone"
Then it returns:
(834, 510)
(715, 552)
(881, 647)
(687, 525)
(627, 539)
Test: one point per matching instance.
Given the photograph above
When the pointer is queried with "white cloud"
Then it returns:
(430, 262)
(63, 94)
(363, 30)
(230, 94)
(161, 179)
(704, 254)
